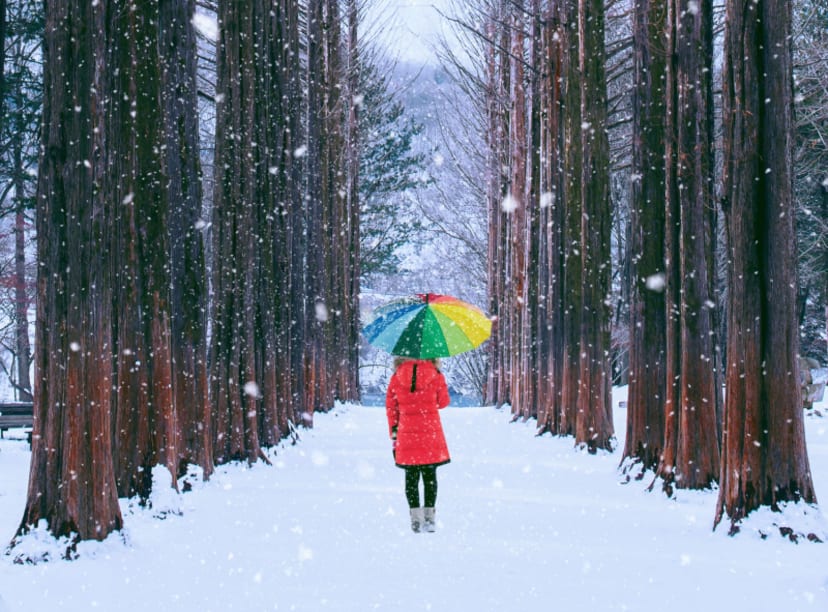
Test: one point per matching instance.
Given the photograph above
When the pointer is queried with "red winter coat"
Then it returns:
(420, 438)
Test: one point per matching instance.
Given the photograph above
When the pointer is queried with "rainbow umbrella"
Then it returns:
(428, 325)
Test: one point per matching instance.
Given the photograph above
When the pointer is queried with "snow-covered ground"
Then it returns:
(524, 523)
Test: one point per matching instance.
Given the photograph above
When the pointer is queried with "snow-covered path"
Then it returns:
(524, 523)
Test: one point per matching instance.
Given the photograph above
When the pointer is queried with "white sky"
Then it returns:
(413, 26)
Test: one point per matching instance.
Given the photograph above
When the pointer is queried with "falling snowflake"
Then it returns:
(656, 282)
(251, 389)
(547, 199)
(300, 151)
(321, 312)
(509, 204)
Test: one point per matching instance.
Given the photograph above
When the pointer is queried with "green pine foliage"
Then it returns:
(391, 169)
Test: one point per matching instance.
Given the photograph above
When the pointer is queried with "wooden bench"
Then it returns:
(18, 414)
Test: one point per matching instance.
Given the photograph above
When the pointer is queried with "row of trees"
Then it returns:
(132, 368)
(542, 87)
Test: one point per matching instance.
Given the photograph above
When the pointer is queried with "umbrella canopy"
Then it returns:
(427, 326)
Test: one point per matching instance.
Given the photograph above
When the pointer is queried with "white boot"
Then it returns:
(416, 520)
(429, 523)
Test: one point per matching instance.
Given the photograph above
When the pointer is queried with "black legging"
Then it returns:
(412, 485)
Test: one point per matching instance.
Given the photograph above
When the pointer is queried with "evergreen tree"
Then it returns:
(390, 168)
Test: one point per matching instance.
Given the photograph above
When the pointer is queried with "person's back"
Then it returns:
(416, 392)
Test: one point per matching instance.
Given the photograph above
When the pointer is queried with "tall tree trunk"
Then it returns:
(551, 306)
(338, 265)
(2, 64)
(236, 394)
(177, 47)
(256, 347)
(572, 161)
(536, 335)
(146, 428)
(764, 459)
(291, 333)
(518, 220)
(647, 377)
(594, 428)
(71, 481)
(316, 210)
(497, 85)
(690, 458)
(23, 385)
(349, 371)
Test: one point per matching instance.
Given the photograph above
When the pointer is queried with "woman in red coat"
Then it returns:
(416, 392)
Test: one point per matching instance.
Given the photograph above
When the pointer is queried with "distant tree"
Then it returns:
(518, 208)
(552, 417)
(22, 99)
(177, 54)
(764, 459)
(342, 138)
(348, 326)
(332, 213)
(495, 100)
(256, 217)
(647, 376)
(690, 453)
(810, 48)
(594, 428)
(571, 193)
(71, 481)
(323, 182)
(390, 168)
(2, 62)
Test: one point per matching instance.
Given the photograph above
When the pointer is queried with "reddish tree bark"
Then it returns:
(550, 326)
(690, 458)
(71, 481)
(257, 351)
(571, 201)
(647, 376)
(517, 220)
(145, 421)
(764, 460)
(23, 385)
(498, 387)
(594, 428)
(177, 49)
(238, 238)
